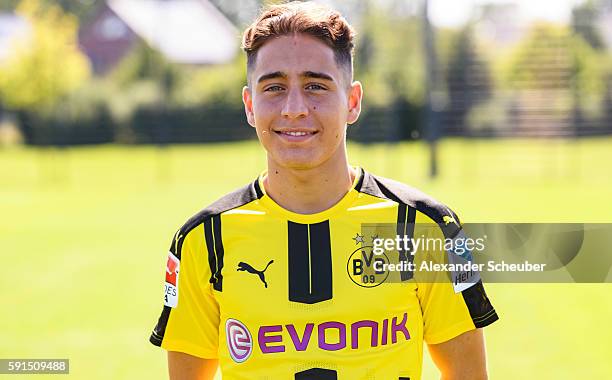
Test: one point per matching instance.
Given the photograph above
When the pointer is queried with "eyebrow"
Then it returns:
(312, 74)
(274, 75)
(305, 74)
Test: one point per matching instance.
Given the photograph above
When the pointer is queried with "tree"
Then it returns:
(46, 64)
(584, 17)
(82, 9)
(558, 79)
(389, 56)
(552, 58)
(240, 13)
(468, 79)
(607, 102)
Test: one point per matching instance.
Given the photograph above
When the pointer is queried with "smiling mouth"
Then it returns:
(296, 133)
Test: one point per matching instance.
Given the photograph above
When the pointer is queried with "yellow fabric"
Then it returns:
(257, 233)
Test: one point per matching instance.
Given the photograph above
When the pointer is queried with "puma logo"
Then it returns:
(242, 266)
(448, 219)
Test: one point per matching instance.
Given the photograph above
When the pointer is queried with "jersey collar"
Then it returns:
(342, 205)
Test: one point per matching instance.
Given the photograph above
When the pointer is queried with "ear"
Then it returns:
(354, 102)
(247, 99)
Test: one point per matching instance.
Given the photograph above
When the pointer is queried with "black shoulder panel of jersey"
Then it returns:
(235, 199)
(477, 302)
(401, 193)
(209, 217)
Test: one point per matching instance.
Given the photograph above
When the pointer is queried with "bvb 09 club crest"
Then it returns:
(365, 268)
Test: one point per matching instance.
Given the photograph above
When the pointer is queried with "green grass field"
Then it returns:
(84, 234)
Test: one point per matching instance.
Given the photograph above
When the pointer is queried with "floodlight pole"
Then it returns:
(432, 127)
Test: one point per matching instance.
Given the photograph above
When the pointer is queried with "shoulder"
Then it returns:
(232, 200)
(401, 193)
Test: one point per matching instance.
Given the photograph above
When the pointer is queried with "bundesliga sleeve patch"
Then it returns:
(171, 285)
(459, 253)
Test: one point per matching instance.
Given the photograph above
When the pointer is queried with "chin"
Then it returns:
(300, 162)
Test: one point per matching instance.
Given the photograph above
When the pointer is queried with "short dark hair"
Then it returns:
(321, 22)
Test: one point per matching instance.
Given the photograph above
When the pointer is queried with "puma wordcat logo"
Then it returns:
(242, 266)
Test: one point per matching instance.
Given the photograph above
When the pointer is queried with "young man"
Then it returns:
(262, 282)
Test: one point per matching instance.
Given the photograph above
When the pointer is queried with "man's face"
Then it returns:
(299, 101)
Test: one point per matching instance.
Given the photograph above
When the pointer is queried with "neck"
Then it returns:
(309, 191)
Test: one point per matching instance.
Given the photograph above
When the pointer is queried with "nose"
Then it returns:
(295, 106)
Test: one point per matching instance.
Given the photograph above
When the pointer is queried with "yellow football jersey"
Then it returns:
(279, 295)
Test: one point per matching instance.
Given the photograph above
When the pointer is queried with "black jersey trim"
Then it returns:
(219, 252)
(209, 217)
(235, 199)
(317, 374)
(210, 247)
(321, 261)
(475, 297)
(157, 335)
(309, 262)
(359, 183)
(257, 189)
(214, 246)
(160, 328)
(479, 306)
(406, 217)
(400, 193)
(298, 261)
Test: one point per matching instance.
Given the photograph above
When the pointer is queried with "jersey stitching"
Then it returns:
(485, 316)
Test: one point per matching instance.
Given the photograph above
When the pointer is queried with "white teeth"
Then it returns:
(296, 133)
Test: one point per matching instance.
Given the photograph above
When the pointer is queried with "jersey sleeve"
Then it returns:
(189, 321)
(449, 309)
